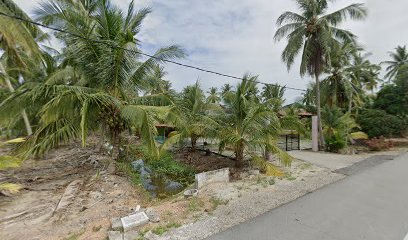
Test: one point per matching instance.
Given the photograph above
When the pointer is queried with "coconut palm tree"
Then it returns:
(190, 117)
(104, 52)
(337, 88)
(274, 95)
(313, 32)
(154, 83)
(213, 96)
(17, 37)
(399, 58)
(249, 125)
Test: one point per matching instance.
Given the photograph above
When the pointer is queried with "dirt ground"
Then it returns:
(69, 195)
(66, 195)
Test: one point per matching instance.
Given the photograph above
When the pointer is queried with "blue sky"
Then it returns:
(236, 36)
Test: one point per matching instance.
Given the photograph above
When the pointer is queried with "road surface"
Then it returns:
(371, 204)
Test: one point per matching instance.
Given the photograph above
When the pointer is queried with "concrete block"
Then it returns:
(116, 224)
(135, 220)
(152, 215)
(217, 176)
(115, 235)
(132, 235)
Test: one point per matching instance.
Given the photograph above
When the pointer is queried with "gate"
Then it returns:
(289, 142)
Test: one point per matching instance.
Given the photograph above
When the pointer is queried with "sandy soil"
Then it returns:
(84, 209)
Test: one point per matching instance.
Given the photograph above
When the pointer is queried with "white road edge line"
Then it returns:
(406, 237)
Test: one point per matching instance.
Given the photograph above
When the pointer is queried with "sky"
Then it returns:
(236, 36)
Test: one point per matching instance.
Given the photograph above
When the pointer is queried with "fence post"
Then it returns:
(298, 141)
(286, 142)
(315, 134)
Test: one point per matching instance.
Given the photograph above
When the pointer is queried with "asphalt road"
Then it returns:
(372, 204)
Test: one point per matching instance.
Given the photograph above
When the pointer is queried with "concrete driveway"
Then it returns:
(370, 204)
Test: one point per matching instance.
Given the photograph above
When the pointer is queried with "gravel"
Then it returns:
(252, 204)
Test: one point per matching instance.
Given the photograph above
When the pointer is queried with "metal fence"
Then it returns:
(289, 142)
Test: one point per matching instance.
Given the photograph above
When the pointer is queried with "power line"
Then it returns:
(145, 54)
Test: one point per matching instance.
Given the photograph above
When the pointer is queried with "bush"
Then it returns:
(377, 123)
(167, 166)
(335, 143)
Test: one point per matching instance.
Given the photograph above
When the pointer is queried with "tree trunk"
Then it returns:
(23, 113)
(102, 139)
(350, 103)
(239, 153)
(193, 143)
(322, 143)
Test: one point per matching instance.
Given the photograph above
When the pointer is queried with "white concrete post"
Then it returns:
(315, 134)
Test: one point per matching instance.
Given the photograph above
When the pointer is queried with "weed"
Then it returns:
(160, 230)
(96, 228)
(291, 178)
(127, 168)
(215, 202)
(271, 181)
(195, 205)
(305, 166)
(75, 236)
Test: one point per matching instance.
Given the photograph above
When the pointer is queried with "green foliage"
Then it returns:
(160, 230)
(248, 124)
(393, 99)
(398, 59)
(167, 166)
(335, 143)
(378, 123)
(127, 168)
(337, 128)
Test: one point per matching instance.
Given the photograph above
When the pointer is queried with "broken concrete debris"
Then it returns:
(116, 224)
(152, 215)
(134, 220)
(115, 235)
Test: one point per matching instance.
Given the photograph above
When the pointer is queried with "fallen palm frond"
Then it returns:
(10, 188)
(266, 167)
(7, 162)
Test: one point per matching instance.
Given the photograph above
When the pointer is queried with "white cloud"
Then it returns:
(235, 37)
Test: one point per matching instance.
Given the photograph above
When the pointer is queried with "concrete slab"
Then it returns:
(132, 235)
(370, 204)
(116, 224)
(135, 220)
(217, 176)
(333, 161)
(115, 235)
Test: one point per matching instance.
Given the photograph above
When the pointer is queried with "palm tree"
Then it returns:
(399, 58)
(109, 76)
(154, 83)
(363, 75)
(313, 32)
(190, 115)
(16, 37)
(274, 95)
(337, 88)
(213, 96)
(249, 125)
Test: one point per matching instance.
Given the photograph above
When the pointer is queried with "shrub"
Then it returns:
(335, 143)
(378, 123)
